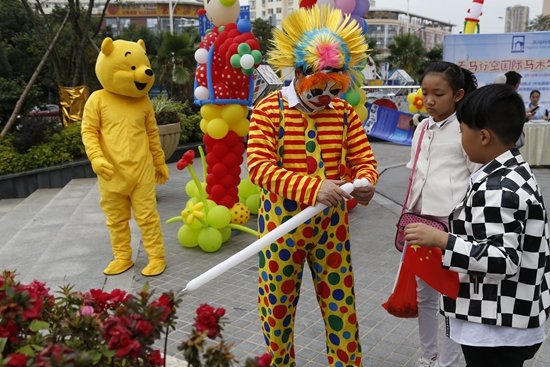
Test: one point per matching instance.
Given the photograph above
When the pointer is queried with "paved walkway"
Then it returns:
(61, 245)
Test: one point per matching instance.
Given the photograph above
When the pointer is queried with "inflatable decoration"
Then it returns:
(226, 59)
(356, 10)
(416, 102)
(205, 223)
(471, 22)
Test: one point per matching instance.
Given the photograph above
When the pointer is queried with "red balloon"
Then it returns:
(228, 201)
(220, 150)
(211, 179)
(235, 171)
(211, 160)
(352, 203)
(218, 191)
(227, 181)
(231, 159)
(219, 170)
(200, 75)
(253, 43)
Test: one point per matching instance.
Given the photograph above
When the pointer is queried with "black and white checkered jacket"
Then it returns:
(500, 248)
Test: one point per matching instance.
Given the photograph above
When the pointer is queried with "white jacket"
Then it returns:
(443, 168)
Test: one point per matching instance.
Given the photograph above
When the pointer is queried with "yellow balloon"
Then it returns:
(362, 112)
(241, 128)
(203, 125)
(363, 98)
(217, 128)
(232, 114)
(210, 111)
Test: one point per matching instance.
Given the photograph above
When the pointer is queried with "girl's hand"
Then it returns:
(422, 234)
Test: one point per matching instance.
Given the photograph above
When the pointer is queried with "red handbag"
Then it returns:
(408, 218)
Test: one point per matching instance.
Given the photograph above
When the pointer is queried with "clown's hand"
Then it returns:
(161, 173)
(103, 168)
(331, 194)
(363, 194)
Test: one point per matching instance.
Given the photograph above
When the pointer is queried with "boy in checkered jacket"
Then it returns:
(499, 241)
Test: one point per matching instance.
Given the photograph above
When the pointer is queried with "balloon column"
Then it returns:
(356, 9)
(226, 57)
(471, 22)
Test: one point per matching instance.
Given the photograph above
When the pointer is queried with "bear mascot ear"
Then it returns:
(107, 46)
(141, 43)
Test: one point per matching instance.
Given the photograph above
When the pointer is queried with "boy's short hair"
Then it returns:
(497, 107)
(513, 77)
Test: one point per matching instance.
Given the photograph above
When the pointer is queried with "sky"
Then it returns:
(454, 11)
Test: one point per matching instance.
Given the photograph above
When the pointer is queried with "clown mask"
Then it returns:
(317, 90)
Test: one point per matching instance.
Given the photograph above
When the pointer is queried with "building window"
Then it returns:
(152, 24)
(278, 10)
(269, 11)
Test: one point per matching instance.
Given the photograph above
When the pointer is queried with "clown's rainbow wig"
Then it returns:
(319, 39)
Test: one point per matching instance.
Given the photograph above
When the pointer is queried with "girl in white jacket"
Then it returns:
(439, 183)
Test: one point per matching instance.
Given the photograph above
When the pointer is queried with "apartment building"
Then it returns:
(516, 18)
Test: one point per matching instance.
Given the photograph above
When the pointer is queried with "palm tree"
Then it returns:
(175, 63)
(540, 23)
(407, 52)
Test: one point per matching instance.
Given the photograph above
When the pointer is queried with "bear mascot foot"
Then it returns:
(116, 267)
(154, 268)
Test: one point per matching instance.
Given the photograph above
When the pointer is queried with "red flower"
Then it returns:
(16, 360)
(129, 348)
(165, 304)
(208, 320)
(101, 301)
(264, 360)
(186, 159)
(155, 358)
(144, 327)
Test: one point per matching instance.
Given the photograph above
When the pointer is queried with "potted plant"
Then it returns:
(168, 121)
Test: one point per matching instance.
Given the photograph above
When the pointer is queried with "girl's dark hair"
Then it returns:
(534, 91)
(458, 78)
(497, 107)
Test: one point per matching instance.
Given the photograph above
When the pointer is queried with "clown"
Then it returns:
(121, 138)
(304, 142)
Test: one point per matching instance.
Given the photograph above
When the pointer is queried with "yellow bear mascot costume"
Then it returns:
(120, 135)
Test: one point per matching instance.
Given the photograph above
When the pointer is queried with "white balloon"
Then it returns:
(247, 61)
(201, 93)
(201, 55)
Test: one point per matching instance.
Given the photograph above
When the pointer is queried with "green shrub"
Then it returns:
(64, 146)
(31, 131)
(190, 128)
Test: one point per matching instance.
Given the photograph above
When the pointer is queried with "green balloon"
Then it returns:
(243, 49)
(236, 61)
(211, 204)
(253, 203)
(257, 55)
(191, 189)
(219, 216)
(210, 239)
(353, 96)
(247, 188)
(188, 237)
(226, 234)
(248, 71)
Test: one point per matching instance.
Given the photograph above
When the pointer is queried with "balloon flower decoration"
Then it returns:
(226, 59)
(205, 223)
(416, 102)
(356, 10)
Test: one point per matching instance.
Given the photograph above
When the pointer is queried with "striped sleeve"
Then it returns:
(262, 157)
(359, 158)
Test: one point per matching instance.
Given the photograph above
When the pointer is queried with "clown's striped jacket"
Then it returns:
(499, 247)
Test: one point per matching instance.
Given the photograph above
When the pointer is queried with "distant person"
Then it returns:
(498, 243)
(440, 181)
(513, 79)
(534, 110)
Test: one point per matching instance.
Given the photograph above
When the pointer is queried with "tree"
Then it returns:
(540, 23)
(435, 54)
(175, 63)
(407, 52)
(263, 31)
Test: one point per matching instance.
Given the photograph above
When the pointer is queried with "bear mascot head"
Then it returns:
(123, 67)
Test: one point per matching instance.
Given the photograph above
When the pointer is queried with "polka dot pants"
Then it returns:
(323, 242)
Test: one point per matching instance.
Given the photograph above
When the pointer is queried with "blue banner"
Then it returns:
(389, 124)
(488, 55)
